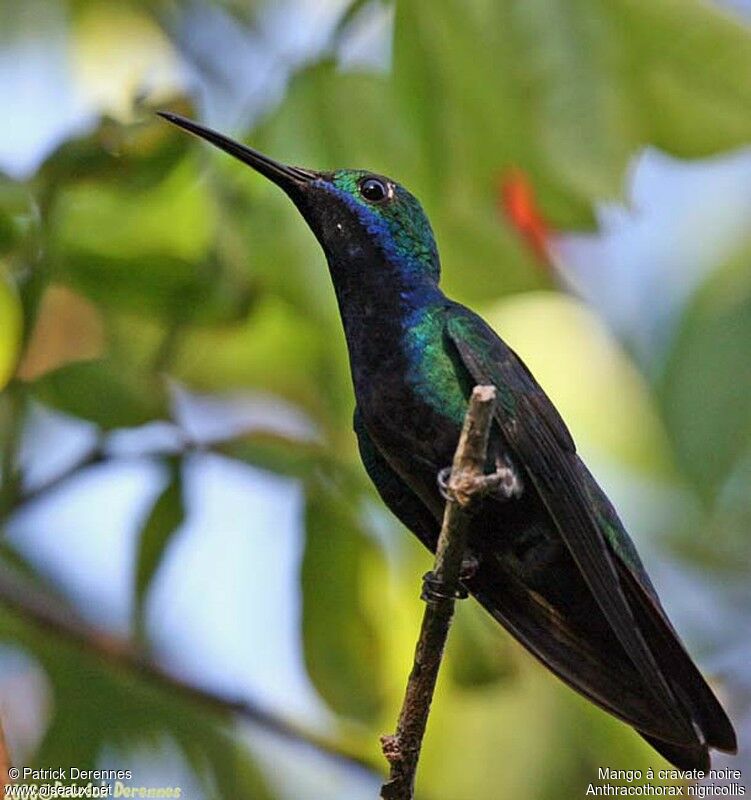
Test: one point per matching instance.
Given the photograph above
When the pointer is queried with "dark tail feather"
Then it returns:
(592, 664)
(685, 758)
(686, 680)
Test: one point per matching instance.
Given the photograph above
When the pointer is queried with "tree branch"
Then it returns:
(440, 589)
(51, 616)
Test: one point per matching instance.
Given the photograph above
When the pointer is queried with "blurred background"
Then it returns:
(181, 502)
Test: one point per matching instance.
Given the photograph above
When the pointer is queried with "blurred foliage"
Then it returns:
(166, 516)
(707, 384)
(134, 258)
(342, 649)
(127, 712)
(80, 387)
(10, 313)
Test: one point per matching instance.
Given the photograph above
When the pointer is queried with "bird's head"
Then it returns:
(352, 212)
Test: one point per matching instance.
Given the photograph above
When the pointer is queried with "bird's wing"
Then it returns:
(540, 442)
(599, 671)
(595, 668)
(602, 675)
(653, 621)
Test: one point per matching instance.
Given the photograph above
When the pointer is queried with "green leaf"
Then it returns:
(275, 349)
(718, 538)
(297, 458)
(103, 392)
(690, 62)
(137, 156)
(11, 324)
(342, 651)
(571, 59)
(176, 216)
(148, 250)
(160, 285)
(165, 518)
(478, 655)
(707, 384)
(569, 91)
(276, 453)
(18, 216)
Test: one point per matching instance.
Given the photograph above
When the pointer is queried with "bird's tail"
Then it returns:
(600, 670)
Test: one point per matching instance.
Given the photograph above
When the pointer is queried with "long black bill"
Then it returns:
(288, 178)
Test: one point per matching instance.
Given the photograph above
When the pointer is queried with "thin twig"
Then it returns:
(402, 750)
(95, 456)
(42, 611)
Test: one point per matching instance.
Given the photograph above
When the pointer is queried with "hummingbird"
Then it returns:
(551, 560)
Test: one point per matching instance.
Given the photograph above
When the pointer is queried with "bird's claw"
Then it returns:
(444, 476)
(434, 589)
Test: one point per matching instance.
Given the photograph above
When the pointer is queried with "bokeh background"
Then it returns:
(180, 486)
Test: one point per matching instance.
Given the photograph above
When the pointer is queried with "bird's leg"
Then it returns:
(434, 589)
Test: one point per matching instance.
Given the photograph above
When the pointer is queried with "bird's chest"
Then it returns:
(413, 399)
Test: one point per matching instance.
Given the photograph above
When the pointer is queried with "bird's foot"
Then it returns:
(462, 487)
(434, 589)
(503, 484)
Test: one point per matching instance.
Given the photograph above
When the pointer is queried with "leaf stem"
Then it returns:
(12, 427)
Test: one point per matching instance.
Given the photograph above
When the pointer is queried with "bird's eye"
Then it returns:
(374, 190)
